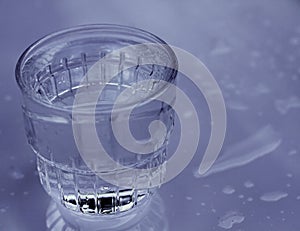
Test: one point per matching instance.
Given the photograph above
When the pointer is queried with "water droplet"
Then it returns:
(25, 193)
(7, 98)
(230, 218)
(292, 212)
(261, 89)
(198, 214)
(289, 175)
(259, 144)
(203, 204)
(282, 211)
(294, 41)
(206, 186)
(249, 184)
(292, 152)
(294, 77)
(250, 199)
(236, 105)
(171, 195)
(12, 194)
(213, 210)
(241, 196)
(230, 85)
(268, 217)
(220, 48)
(16, 174)
(228, 190)
(3, 210)
(273, 196)
(298, 197)
(284, 105)
(189, 198)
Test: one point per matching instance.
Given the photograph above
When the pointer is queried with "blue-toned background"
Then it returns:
(253, 50)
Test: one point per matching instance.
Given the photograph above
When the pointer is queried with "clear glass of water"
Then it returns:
(49, 73)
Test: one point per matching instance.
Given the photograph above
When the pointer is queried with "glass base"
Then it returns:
(148, 217)
(85, 193)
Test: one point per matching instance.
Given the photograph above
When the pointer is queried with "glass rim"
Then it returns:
(119, 29)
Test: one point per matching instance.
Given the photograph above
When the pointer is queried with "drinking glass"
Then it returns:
(50, 73)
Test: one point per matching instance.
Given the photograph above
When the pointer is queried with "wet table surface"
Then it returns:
(253, 50)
